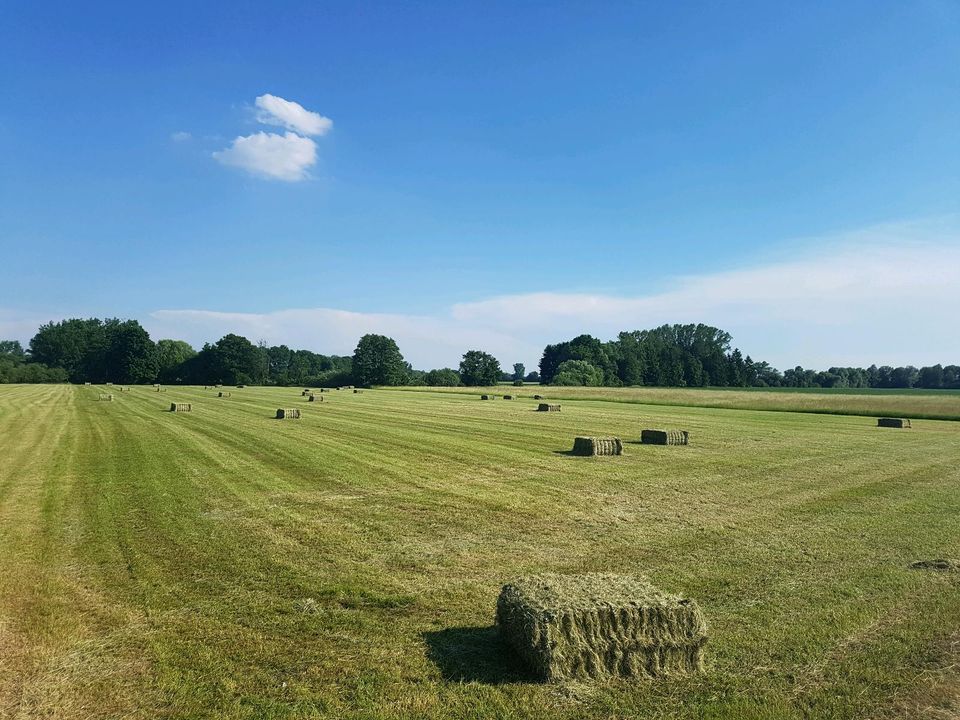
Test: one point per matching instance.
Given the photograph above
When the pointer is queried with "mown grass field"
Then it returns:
(225, 564)
(929, 404)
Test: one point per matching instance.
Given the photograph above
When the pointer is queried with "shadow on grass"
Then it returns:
(474, 654)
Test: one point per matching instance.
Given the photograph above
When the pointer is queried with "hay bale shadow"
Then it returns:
(475, 654)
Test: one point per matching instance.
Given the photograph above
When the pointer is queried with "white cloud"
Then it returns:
(889, 295)
(181, 136)
(273, 110)
(279, 157)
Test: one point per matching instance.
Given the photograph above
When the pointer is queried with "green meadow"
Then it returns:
(222, 563)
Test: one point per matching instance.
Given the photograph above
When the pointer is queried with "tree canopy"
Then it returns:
(377, 361)
(479, 368)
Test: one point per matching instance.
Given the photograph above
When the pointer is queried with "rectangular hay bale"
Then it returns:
(596, 626)
(223, 394)
(893, 423)
(487, 397)
(665, 437)
(597, 446)
(181, 407)
(315, 398)
(108, 398)
(288, 414)
(546, 407)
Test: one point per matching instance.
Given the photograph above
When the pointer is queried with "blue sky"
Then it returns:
(492, 175)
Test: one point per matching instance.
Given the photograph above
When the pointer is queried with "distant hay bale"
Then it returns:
(508, 397)
(597, 446)
(546, 407)
(487, 397)
(181, 407)
(665, 437)
(288, 414)
(893, 423)
(538, 397)
(324, 390)
(942, 564)
(304, 393)
(109, 383)
(108, 398)
(86, 383)
(315, 398)
(599, 626)
(223, 394)
(357, 392)
(241, 387)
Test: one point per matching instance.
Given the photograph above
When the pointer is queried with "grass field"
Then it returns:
(929, 404)
(221, 563)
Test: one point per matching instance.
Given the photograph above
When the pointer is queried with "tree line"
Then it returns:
(121, 351)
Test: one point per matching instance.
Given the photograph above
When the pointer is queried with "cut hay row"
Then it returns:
(665, 437)
(893, 423)
(288, 414)
(546, 407)
(598, 626)
(597, 446)
(181, 407)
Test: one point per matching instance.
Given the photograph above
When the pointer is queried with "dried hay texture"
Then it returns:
(223, 394)
(288, 414)
(597, 446)
(315, 398)
(665, 437)
(596, 626)
(545, 407)
(893, 423)
(938, 564)
(181, 407)
(108, 398)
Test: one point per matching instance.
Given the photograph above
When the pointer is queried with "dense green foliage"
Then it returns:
(444, 377)
(479, 368)
(578, 372)
(701, 356)
(377, 361)
(97, 350)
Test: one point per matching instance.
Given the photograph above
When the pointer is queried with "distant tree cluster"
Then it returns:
(700, 356)
(121, 351)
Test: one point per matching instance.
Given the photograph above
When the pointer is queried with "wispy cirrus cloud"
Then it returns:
(888, 294)
(273, 110)
(287, 157)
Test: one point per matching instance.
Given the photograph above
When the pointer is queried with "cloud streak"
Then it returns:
(889, 294)
(273, 110)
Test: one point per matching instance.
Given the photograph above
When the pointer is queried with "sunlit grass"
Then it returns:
(220, 563)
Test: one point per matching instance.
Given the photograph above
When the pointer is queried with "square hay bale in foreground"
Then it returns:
(665, 437)
(547, 407)
(181, 407)
(596, 626)
(288, 413)
(597, 446)
(893, 423)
